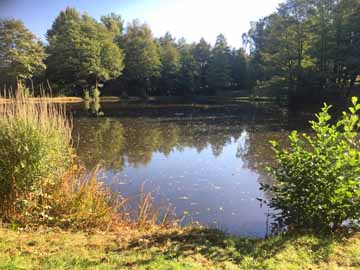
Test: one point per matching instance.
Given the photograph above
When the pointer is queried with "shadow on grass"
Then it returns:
(218, 247)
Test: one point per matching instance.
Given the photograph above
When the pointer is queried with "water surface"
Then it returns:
(206, 160)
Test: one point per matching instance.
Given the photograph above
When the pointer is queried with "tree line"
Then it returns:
(82, 54)
(304, 48)
(307, 44)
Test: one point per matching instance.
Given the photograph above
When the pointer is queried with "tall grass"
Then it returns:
(43, 183)
(45, 115)
(35, 148)
(147, 213)
(81, 201)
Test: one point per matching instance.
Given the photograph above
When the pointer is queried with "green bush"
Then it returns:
(317, 180)
(34, 148)
(87, 95)
(96, 93)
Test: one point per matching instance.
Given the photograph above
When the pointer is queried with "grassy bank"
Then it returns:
(174, 249)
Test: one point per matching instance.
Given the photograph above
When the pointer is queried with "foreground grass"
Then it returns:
(174, 249)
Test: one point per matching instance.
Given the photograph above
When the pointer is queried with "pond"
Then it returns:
(206, 160)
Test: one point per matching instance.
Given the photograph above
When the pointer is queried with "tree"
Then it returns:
(142, 62)
(114, 24)
(82, 51)
(189, 70)
(21, 54)
(202, 53)
(170, 64)
(347, 57)
(218, 76)
(239, 70)
(254, 41)
(310, 44)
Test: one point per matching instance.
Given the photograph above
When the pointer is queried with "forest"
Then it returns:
(305, 48)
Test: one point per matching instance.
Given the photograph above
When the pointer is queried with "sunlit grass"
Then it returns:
(190, 248)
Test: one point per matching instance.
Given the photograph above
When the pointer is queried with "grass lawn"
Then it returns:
(191, 248)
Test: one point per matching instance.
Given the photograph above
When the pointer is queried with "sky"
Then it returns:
(191, 19)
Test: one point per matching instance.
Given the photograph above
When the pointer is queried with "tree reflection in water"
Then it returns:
(208, 162)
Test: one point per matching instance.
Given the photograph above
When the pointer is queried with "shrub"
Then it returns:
(34, 148)
(317, 181)
(87, 95)
(96, 93)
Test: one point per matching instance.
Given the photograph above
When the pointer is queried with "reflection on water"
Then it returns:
(93, 107)
(206, 161)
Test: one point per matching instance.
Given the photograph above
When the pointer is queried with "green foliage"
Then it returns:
(83, 51)
(239, 69)
(142, 60)
(275, 87)
(21, 54)
(170, 63)
(87, 95)
(95, 93)
(310, 43)
(189, 71)
(34, 149)
(114, 24)
(202, 54)
(317, 180)
(218, 76)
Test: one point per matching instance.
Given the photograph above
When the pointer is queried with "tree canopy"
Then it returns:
(170, 63)
(308, 44)
(82, 51)
(142, 62)
(21, 53)
(218, 76)
(302, 49)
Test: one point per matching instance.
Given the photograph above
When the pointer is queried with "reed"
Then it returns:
(42, 182)
(47, 116)
(81, 201)
(148, 213)
(35, 148)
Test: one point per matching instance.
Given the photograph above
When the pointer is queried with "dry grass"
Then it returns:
(65, 194)
(81, 201)
(144, 213)
(45, 115)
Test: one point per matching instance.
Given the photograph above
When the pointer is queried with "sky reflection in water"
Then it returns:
(206, 163)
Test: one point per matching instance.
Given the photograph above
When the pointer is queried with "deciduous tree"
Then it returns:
(21, 53)
(82, 51)
(142, 62)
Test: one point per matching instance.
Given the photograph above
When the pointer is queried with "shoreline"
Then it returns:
(48, 100)
(175, 99)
